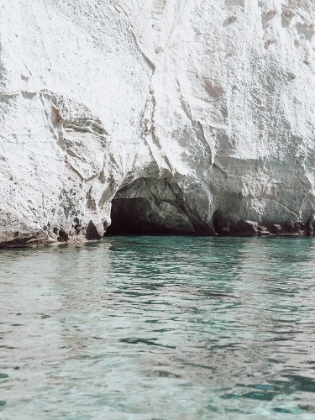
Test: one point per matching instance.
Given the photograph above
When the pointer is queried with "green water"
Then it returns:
(159, 328)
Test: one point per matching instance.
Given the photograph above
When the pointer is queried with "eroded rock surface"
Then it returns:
(190, 117)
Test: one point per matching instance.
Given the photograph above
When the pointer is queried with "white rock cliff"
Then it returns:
(184, 116)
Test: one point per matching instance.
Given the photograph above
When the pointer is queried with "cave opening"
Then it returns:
(149, 206)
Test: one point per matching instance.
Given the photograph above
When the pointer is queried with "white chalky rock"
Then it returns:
(189, 116)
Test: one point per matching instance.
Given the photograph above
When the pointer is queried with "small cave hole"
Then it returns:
(63, 236)
(131, 216)
(92, 232)
(150, 207)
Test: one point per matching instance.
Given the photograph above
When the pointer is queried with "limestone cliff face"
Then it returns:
(185, 116)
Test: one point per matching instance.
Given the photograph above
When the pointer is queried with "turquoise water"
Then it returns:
(159, 328)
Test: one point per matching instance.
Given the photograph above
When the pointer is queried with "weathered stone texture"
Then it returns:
(196, 115)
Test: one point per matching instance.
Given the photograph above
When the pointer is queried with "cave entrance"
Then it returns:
(149, 206)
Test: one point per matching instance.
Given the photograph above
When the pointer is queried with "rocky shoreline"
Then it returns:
(221, 227)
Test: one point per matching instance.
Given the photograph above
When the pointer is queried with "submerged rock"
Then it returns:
(190, 117)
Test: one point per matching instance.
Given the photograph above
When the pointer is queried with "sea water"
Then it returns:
(159, 328)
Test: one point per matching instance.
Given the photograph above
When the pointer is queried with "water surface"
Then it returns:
(159, 328)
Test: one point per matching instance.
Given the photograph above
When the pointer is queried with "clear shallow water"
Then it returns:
(164, 328)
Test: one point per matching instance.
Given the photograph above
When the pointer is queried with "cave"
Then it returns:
(149, 206)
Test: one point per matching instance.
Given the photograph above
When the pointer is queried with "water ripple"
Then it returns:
(159, 328)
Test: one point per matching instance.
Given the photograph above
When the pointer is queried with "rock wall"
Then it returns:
(200, 112)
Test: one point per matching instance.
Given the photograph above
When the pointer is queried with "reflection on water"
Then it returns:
(150, 328)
